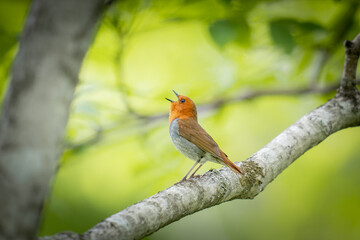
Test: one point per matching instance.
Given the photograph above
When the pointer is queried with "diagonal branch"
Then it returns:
(218, 186)
(215, 187)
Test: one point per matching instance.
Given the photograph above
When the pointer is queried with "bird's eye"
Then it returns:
(182, 100)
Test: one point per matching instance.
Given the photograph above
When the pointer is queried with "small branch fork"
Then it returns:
(218, 186)
(348, 80)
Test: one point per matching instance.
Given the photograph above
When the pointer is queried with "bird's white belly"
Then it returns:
(187, 148)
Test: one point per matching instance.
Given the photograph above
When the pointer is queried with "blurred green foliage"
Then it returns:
(12, 16)
(118, 150)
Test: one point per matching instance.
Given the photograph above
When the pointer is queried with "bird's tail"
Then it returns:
(229, 163)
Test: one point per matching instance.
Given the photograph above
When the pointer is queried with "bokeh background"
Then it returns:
(117, 147)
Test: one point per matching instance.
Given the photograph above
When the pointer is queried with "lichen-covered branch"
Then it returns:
(218, 186)
(55, 39)
(348, 80)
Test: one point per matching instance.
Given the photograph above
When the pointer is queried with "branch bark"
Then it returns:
(348, 80)
(55, 39)
(218, 186)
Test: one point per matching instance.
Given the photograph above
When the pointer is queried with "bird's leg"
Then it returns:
(184, 178)
(196, 170)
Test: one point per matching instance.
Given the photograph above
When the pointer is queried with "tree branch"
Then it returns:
(218, 186)
(348, 81)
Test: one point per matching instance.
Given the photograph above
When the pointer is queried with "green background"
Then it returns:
(117, 147)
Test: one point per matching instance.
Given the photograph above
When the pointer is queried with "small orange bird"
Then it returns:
(191, 139)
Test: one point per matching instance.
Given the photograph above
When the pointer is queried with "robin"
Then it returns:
(190, 139)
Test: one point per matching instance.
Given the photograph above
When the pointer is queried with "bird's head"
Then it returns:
(183, 108)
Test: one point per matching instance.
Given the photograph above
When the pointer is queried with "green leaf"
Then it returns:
(285, 32)
(223, 31)
(309, 26)
(281, 36)
(230, 30)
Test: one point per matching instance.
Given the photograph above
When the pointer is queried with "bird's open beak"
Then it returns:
(177, 95)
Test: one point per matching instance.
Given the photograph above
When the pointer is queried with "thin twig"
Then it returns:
(207, 107)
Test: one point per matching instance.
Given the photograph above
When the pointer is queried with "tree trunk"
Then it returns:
(35, 111)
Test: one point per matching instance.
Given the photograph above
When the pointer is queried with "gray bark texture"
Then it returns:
(218, 186)
(35, 110)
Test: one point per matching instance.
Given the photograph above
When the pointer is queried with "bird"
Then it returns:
(191, 140)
